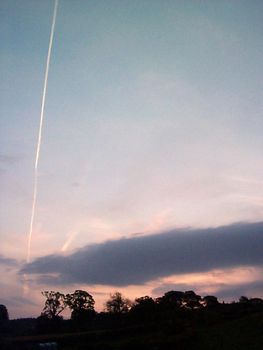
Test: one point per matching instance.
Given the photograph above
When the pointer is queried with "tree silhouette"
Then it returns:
(144, 309)
(117, 304)
(210, 300)
(172, 299)
(243, 299)
(3, 313)
(81, 304)
(143, 303)
(191, 300)
(54, 304)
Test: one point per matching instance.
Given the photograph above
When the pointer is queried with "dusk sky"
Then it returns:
(150, 173)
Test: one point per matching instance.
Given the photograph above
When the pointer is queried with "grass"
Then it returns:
(244, 333)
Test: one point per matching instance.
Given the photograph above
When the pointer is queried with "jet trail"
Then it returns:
(40, 132)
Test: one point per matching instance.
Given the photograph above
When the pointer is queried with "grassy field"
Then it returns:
(245, 333)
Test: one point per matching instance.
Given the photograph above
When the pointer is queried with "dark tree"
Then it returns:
(243, 299)
(256, 301)
(143, 302)
(117, 304)
(144, 309)
(171, 299)
(210, 300)
(3, 313)
(54, 304)
(81, 304)
(191, 300)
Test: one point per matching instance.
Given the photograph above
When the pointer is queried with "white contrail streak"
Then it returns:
(40, 132)
(69, 240)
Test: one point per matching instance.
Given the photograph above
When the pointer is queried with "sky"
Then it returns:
(150, 173)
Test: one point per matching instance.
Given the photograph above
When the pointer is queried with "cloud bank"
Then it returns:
(223, 290)
(7, 261)
(137, 260)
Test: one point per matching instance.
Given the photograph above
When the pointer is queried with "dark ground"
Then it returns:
(226, 327)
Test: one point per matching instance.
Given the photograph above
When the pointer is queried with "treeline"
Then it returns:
(81, 303)
(174, 310)
(182, 320)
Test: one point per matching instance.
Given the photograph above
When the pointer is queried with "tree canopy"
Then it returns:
(117, 304)
(54, 304)
(81, 304)
(3, 313)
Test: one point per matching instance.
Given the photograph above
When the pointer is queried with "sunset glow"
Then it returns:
(150, 173)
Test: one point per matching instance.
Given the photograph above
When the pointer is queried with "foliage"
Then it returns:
(243, 299)
(191, 300)
(144, 303)
(172, 299)
(210, 300)
(3, 313)
(80, 300)
(144, 309)
(81, 304)
(117, 304)
(175, 299)
(54, 305)
(177, 320)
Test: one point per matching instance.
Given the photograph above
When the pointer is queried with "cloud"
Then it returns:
(223, 291)
(7, 261)
(17, 301)
(137, 260)
(9, 159)
(166, 287)
(235, 291)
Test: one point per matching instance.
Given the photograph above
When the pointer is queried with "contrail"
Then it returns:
(69, 240)
(40, 132)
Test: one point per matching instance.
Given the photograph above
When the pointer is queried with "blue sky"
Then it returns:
(153, 121)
